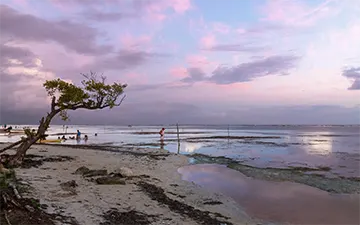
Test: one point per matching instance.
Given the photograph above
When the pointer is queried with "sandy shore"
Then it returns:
(145, 174)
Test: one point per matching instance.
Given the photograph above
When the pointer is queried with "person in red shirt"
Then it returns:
(162, 132)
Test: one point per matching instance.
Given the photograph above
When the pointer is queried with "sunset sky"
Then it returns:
(187, 61)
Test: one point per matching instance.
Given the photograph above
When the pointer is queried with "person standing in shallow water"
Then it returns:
(162, 133)
(78, 135)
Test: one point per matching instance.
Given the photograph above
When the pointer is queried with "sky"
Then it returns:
(186, 61)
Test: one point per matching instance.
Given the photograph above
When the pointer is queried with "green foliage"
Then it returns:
(93, 94)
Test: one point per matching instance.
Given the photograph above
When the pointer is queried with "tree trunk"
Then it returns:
(17, 159)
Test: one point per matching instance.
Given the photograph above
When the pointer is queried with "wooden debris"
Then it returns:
(18, 196)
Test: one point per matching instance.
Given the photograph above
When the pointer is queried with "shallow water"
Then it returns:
(279, 202)
(337, 147)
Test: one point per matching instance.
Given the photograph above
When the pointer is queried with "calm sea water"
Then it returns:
(337, 147)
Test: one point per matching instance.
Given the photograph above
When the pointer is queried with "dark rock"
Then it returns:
(124, 171)
(82, 170)
(93, 173)
(116, 175)
(212, 203)
(86, 172)
(110, 180)
(71, 184)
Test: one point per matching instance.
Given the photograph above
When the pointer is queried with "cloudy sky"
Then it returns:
(187, 61)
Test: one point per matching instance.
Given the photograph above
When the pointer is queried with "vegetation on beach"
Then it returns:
(15, 209)
(94, 94)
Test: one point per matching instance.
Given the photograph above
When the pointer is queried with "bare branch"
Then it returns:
(122, 99)
(12, 145)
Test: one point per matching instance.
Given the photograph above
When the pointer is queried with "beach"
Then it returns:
(88, 202)
(249, 175)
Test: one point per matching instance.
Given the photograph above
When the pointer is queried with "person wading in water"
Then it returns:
(162, 132)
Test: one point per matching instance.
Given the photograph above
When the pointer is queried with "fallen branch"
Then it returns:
(6, 218)
(14, 203)
(29, 208)
(18, 196)
(4, 198)
(12, 145)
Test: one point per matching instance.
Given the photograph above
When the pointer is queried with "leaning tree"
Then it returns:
(93, 94)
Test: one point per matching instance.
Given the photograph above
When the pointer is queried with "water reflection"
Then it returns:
(319, 145)
(162, 143)
(187, 147)
(282, 202)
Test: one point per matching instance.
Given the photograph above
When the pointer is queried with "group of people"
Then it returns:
(78, 137)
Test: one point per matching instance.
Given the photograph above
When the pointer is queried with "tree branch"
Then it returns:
(13, 145)
(122, 99)
(53, 103)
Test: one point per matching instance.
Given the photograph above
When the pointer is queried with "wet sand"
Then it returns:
(279, 202)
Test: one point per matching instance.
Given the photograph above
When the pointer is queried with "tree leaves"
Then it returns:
(94, 94)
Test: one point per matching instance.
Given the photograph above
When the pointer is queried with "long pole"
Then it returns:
(178, 137)
(228, 131)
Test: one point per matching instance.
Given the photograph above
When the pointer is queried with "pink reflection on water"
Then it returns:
(283, 202)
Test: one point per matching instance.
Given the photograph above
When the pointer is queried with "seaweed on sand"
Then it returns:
(202, 217)
(38, 160)
(14, 209)
(114, 217)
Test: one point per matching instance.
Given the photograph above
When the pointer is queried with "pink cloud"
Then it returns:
(179, 72)
(21, 2)
(158, 17)
(179, 6)
(157, 10)
(208, 41)
(135, 78)
(295, 12)
(197, 61)
(129, 41)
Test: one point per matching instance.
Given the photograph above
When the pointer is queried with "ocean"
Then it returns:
(278, 146)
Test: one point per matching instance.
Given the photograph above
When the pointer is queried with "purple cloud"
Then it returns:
(74, 36)
(194, 75)
(99, 16)
(353, 73)
(274, 65)
(23, 55)
(125, 59)
(235, 48)
(248, 71)
(80, 38)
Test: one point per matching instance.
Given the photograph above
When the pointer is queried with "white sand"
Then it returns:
(92, 200)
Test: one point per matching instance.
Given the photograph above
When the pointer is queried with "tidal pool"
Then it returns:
(278, 202)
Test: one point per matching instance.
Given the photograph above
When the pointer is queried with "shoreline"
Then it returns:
(153, 182)
(317, 177)
(148, 187)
